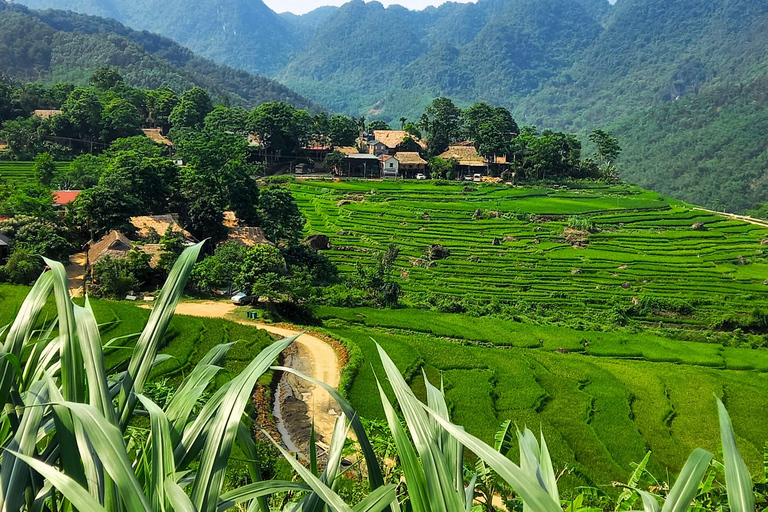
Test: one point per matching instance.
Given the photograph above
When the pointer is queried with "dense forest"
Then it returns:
(55, 46)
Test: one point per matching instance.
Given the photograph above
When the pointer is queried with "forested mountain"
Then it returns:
(53, 46)
(677, 80)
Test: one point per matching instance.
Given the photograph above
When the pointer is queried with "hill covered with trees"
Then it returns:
(677, 82)
(55, 46)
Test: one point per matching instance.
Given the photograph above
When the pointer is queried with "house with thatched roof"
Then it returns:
(390, 142)
(247, 236)
(156, 134)
(411, 164)
(468, 160)
(46, 114)
(149, 226)
(115, 244)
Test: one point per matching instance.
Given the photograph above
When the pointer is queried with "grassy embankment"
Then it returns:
(601, 405)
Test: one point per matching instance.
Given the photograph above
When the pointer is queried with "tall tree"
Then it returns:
(193, 106)
(442, 122)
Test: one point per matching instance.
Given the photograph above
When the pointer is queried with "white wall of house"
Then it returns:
(391, 166)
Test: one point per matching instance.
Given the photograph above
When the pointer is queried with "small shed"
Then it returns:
(62, 198)
(467, 158)
(46, 114)
(247, 236)
(360, 165)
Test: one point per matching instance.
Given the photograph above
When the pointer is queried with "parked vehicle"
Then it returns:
(477, 177)
(421, 176)
(241, 299)
(467, 178)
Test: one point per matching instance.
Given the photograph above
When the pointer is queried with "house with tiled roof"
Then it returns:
(390, 166)
(150, 226)
(64, 197)
(46, 114)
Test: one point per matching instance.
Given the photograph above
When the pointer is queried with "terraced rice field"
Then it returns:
(598, 413)
(602, 393)
(18, 172)
(518, 247)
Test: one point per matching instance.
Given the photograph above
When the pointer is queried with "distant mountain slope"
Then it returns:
(58, 45)
(242, 33)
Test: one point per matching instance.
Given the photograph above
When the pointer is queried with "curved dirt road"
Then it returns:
(319, 360)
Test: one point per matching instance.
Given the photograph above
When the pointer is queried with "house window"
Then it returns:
(391, 164)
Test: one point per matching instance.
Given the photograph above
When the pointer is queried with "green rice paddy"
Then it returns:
(602, 393)
(18, 172)
(512, 244)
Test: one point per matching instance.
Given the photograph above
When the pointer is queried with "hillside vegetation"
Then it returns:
(55, 46)
(595, 311)
(678, 82)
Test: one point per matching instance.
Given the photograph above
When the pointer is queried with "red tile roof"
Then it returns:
(62, 197)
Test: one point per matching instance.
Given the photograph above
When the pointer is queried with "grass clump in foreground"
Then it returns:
(66, 443)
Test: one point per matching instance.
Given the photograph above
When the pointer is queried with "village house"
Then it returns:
(46, 114)
(4, 241)
(360, 165)
(390, 142)
(468, 160)
(153, 226)
(115, 244)
(63, 198)
(247, 236)
(390, 166)
(156, 134)
(410, 163)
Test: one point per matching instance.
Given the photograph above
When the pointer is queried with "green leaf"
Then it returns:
(147, 345)
(71, 490)
(223, 427)
(257, 490)
(375, 477)
(741, 497)
(682, 493)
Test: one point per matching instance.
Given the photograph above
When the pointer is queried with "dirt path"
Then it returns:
(76, 274)
(318, 360)
(745, 218)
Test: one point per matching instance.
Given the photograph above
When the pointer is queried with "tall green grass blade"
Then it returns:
(14, 474)
(529, 489)
(153, 333)
(375, 477)
(21, 330)
(414, 473)
(107, 441)
(72, 371)
(682, 493)
(162, 452)
(440, 479)
(257, 490)
(179, 500)
(93, 360)
(74, 492)
(245, 440)
(223, 428)
(741, 497)
(548, 470)
(377, 500)
(649, 502)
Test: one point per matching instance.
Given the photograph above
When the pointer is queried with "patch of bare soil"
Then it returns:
(313, 356)
(76, 274)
